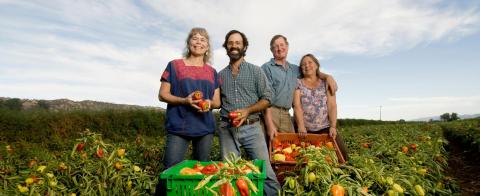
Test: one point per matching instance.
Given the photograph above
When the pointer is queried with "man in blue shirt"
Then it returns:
(244, 89)
(282, 78)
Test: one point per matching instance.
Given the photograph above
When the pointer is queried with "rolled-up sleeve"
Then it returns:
(263, 88)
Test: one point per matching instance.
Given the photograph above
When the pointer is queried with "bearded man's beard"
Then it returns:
(235, 56)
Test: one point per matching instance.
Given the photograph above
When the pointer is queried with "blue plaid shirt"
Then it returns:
(282, 81)
(247, 88)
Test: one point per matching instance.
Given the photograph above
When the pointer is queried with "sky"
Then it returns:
(392, 59)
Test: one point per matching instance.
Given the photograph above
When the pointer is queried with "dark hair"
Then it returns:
(275, 38)
(244, 38)
(208, 54)
(315, 60)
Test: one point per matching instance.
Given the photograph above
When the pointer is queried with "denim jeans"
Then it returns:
(177, 146)
(175, 150)
(250, 138)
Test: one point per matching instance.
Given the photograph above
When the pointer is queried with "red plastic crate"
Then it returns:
(293, 138)
(280, 167)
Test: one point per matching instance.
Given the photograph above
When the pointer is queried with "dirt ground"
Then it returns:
(464, 167)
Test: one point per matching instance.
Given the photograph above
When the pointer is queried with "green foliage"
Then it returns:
(11, 104)
(41, 125)
(385, 157)
(465, 131)
(360, 122)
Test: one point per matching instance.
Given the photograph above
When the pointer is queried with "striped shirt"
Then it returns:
(247, 88)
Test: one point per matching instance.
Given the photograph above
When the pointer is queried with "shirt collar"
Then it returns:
(272, 62)
(240, 66)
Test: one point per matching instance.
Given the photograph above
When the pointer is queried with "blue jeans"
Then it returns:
(175, 150)
(251, 138)
(177, 146)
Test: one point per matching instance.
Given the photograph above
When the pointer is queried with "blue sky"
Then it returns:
(413, 58)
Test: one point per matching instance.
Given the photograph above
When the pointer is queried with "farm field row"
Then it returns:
(392, 159)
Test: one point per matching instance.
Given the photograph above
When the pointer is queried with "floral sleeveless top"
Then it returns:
(314, 105)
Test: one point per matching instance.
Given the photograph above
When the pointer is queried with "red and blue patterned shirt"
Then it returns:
(185, 120)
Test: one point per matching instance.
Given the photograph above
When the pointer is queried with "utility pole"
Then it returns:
(380, 112)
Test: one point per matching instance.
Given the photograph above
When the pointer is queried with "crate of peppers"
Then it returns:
(234, 176)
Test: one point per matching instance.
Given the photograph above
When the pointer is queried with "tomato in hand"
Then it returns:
(235, 123)
(197, 95)
(233, 115)
(204, 105)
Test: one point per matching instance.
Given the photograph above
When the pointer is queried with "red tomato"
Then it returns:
(209, 169)
(197, 95)
(99, 152)
(80, 147)
(235, 123)
(204, 105)
(404, 149)
(413, 146)
(276, 143)
(329, 145)
(337, 190)
(227, 189)
(233, 115)
(242, 187)
(365, 145)
(317, 143)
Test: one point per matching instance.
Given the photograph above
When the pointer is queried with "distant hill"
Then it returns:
(464, 116)
(64, 105)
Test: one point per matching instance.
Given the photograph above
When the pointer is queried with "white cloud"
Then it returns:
(116, 50)
(329, 27)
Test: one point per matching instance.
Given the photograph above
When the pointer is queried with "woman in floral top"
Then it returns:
(315, 108)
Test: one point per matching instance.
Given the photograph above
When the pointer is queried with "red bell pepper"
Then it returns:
(242, 187)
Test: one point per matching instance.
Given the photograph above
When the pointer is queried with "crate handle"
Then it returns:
(169, 183)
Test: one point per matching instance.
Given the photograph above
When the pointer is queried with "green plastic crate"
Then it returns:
(183, 184)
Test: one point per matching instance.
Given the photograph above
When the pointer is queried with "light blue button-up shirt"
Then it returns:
(282, 81)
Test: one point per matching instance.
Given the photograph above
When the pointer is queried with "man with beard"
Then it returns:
(244, 90)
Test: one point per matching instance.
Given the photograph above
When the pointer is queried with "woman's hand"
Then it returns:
(302, 132)
(204, 105)
(333, 132)
(193, 103)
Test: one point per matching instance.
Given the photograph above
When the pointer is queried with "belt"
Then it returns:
(281, 108)
(246, 122)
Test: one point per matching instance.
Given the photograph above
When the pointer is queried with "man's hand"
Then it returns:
(272, 132)
(331, 85)
(242, 117)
